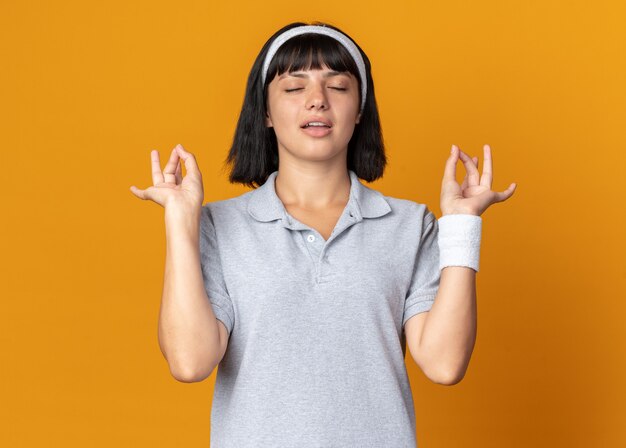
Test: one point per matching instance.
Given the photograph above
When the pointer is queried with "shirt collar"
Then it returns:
(364, 202)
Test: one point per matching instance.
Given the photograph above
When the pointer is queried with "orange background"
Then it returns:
(89, 88)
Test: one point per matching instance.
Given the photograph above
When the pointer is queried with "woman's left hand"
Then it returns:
(475, 194)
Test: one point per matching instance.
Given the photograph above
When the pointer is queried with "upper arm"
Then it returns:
(221, 349)
(425, 275)
(214, 280)
(223, 341)
(423, 288)
(413, 331)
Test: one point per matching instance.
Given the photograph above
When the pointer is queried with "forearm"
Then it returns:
(449, 332)
(188, 329)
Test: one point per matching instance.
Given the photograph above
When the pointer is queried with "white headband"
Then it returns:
(342, 38)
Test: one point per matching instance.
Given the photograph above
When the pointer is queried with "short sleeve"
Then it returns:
(212, 272)
(426, 272)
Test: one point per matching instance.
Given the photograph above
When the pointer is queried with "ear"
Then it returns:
(358, 118)
(268, 121)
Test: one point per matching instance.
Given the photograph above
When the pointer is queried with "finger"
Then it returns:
(179, 173)
(487, 177)
(157, 175)
(464, 184)
(473, 177)
(141, 194)
(503, 196)
(449, 172)
(188, 158)
(170, 168)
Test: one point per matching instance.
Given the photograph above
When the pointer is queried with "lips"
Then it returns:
(317, 131)
(312, 119)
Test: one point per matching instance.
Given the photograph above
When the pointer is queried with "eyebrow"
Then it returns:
(304, 75)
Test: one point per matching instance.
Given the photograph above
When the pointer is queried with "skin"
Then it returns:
(313, 181)
(441, 340)
(313, 184)
(294, 97)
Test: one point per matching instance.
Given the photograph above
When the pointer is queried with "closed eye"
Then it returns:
(300, 88)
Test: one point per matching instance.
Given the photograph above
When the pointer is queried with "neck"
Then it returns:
(313, 188)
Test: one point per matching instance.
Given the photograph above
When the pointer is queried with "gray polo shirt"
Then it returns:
(316, 355)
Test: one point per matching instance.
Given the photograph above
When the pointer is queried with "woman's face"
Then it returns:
(296, 98)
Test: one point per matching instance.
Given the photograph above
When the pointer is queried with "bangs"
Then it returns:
(312, 51)
(254, 152)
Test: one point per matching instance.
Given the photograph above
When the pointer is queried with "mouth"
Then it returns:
(316, 122)
(316, 131)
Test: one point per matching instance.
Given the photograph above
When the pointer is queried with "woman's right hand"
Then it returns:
(169, 188)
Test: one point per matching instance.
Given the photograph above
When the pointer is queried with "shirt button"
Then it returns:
(311, 238)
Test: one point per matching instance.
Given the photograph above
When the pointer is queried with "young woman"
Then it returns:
(307, 289)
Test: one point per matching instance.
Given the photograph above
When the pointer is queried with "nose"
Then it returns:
(317, 97)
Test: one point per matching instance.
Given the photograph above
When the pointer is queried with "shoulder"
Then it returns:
(226, 209)
(410, 210)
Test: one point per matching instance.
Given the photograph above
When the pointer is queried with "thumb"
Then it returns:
(147, 194)
(137, 192)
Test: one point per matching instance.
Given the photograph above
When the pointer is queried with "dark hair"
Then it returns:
(254, 152)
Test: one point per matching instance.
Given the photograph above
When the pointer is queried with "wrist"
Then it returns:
(175, 212)
(183, 220)
(459, 240)
(460, 212)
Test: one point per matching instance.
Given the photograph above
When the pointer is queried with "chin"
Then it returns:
(320, 154)
(313, 149)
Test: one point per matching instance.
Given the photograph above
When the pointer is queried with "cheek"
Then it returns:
(286, 114)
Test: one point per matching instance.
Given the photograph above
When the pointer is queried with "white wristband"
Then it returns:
(459, 240)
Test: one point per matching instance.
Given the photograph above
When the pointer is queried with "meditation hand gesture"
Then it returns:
(475, 194)
(170, 189)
